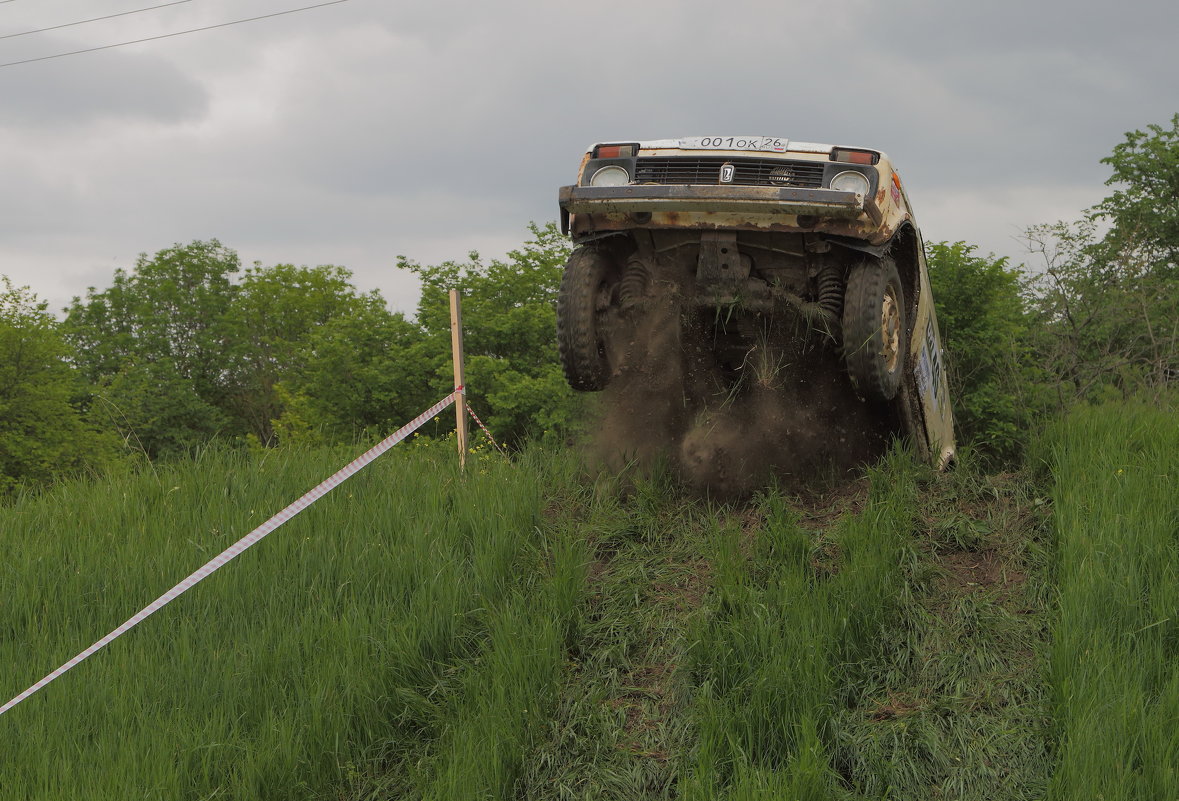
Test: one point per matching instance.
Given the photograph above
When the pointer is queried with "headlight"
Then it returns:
(849, 181)
(610, 176)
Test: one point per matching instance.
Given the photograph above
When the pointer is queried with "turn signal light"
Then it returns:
(855, 156)
(615, 151)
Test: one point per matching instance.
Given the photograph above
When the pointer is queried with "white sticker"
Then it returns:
(930, 372)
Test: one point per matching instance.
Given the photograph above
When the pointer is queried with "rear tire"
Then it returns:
(587, 290)
(875, 341)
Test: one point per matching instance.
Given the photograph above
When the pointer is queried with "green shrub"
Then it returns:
(981, 317)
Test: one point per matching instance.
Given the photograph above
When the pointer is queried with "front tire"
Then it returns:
(587, 290)
(874, 329)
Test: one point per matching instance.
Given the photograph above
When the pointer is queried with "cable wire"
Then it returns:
(93, 19)
(168, 35)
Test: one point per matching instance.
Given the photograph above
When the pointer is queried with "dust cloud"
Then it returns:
(782, 410)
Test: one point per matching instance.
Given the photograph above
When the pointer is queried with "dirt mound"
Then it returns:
(728, 416)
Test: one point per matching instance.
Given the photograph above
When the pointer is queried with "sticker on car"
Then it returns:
(929, 368)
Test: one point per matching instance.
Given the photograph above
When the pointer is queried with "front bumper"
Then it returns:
(754, 201)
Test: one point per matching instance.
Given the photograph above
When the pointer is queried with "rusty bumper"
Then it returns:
(756, 201)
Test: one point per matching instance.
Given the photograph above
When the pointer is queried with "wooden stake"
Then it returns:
(460, 380)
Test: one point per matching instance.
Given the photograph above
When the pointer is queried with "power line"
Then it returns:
(93, 19)
(168, 35)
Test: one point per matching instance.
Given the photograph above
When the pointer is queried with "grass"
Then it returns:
(953, 700)
(1115, 653)
(622, 726)
(350, 649)
(716, 643)
(530, 632)
(781, 641)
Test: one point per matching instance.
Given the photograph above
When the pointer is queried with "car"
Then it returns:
(807, 251)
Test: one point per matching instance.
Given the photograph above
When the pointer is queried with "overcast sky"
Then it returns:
(355, 132)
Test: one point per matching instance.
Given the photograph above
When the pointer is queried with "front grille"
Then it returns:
(748, 172)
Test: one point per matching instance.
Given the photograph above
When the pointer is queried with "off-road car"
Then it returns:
(803, 251)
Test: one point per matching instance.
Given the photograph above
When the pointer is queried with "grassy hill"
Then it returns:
(528, 631)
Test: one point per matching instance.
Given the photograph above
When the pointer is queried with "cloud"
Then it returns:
(117, 85)
(362, 131)
(996, 221)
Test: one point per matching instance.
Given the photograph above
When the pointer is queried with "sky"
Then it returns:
(364, 130)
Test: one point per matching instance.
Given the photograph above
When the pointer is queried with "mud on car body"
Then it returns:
(764, 243)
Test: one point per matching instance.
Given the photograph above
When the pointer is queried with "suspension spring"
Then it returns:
(831, 291)
(633, 286)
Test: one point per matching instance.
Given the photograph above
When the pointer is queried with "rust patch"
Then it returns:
(853, 230)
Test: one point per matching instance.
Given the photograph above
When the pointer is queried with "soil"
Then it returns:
(732, 405)
(968, 572)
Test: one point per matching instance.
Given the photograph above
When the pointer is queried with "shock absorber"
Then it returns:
(635, 280)
(830, 280)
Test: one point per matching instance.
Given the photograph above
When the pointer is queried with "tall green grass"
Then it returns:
(953, 702)
(786, 650)
(420, 634)
(398, 639)
(777, 651)
(1115, 653)
(622, 727)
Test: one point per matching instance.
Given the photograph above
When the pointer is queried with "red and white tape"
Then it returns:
(475, 417)
(218, 561)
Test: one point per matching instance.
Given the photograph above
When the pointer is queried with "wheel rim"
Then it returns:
(890, 330)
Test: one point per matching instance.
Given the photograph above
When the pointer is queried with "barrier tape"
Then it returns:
(475, 417)
(219, 561)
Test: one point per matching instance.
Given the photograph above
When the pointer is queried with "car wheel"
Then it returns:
(587, 290)
(874, 329)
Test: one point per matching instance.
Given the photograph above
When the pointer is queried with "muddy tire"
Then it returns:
(874, 329)
(587, 289)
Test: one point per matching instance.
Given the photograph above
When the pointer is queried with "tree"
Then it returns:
(360, 370)
(1105, 303)
(179, 352)
(171, 306)
(510, 322)
(276, 315)
(154, 346)
(42, 432)
(1143, 211)
(982, 319)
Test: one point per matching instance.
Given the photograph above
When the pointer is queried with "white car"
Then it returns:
(807, 250)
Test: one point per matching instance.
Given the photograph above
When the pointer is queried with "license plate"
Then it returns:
(763, 144)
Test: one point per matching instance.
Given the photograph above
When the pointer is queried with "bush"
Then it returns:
(984, 329)
(43, 433)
